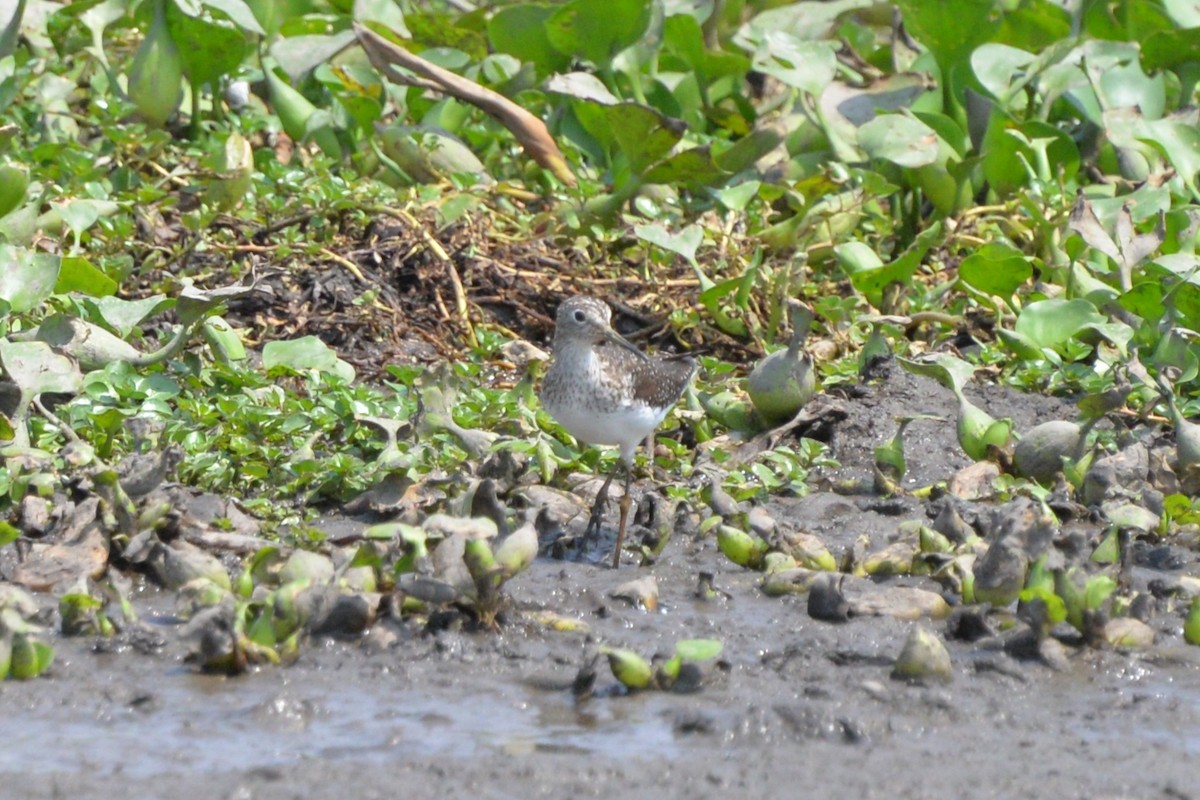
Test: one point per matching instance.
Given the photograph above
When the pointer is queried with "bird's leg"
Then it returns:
(597, 516)
(626, 502)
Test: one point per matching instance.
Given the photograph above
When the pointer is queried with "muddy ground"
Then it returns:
(794, 707)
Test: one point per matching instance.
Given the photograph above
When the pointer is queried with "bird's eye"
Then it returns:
(579, 316)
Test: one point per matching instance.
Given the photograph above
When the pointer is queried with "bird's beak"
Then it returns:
(613, 337)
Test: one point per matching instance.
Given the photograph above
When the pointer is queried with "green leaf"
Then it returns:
(209, 50)
(693, 168)
(36, 368)
(950, 371)
(698, 649)
(77, 274)
(27, 278)
(1097, 590)
(684, 243)
(124, 316)
(900, 139)
(870, 275)
(805, 65)
(1049, 323)
(305, 353)
(597, 30)
(642, 133)
(951, 29)
(520, 30)
(996, 269)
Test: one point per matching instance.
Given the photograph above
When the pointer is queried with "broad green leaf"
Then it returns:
(305, 353)
(597, 30)
(805, 65)
(737, 197)
(582, 85)
(1022, 346)
(684, 243)
(1002, 72)
(870, 275)
(1170, 48)
(950, 371)
(683, 49)
(77, 274)
(385, 12)
(1179, 141)
(693, 168)
(124, 316)
(299, 55)
(210, 50)
(26, 278)
(239, 12)
(996, 269)
(36, 368)
(698, 649)
(1016, 154)
(520, 30)
(747, 150)
(1049, 323)
(903, 140)
(951, 29)
(643, 134)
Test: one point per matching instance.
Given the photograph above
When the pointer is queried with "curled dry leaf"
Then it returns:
(530, 131)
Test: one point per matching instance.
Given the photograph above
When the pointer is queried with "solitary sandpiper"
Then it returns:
(604, 390)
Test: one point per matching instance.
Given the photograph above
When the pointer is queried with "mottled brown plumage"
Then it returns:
(605, 391)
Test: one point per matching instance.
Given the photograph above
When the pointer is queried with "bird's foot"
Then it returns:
(596, 518)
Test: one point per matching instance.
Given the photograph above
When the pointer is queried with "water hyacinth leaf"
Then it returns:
(950, 371)
(950, 31)
(643, 133)
(154, 82)
(1166, 49)
(1018, 153)
(900, 139)
(195, 304)
(359, 90)
(1097, 590)
(1177, 351)
(698, 649)
(299, 55)
(36, 368)
(743, 153)
(520, 30)
(1001, 70)
(633, 671)
(208, 49)
(693, 168)
(77, 274)
(871, 276)
(27, 278)
(736, 198)
(801, 64)
(582, 86)
(1179, 141)
(683, 41)
(305, 353)
(14, 184)
(1049, 323)
(996, 269)
(1056, 609)
(596, 30)
(684, 243)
